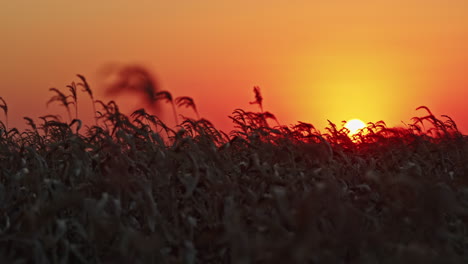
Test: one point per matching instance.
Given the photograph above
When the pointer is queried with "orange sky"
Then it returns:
(314, 60)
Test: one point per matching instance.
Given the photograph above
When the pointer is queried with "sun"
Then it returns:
(354, 125)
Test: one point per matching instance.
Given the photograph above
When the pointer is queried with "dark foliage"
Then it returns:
(132, 190)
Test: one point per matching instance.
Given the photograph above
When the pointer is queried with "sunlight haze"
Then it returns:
(377, 60)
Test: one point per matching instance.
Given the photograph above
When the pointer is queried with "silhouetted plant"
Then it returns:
(4, 107)
(87, 89)
(74, 96)
(187, 102)
(62, 99)
(165, 95)
(258, 98)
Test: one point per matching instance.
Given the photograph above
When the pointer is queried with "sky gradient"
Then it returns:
(337, 60)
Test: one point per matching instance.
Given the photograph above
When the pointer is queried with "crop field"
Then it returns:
(130, 189)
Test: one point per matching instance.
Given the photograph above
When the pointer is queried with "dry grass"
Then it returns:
(132, 190)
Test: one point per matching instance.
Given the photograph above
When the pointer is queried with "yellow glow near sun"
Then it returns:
(354, 125)
(352, 83)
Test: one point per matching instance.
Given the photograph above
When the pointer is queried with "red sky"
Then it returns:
(314, 60)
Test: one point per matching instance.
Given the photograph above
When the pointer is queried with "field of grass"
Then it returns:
(129, 189)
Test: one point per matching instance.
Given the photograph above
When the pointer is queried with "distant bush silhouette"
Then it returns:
(134, 79)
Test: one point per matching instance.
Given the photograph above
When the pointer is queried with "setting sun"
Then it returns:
(354, 125)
